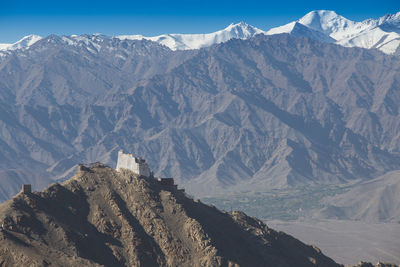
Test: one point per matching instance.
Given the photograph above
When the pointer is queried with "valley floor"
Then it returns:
(346, 241)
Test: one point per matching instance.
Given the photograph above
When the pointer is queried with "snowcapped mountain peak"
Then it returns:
(240, 24)
(327, 22)
(25, 42)
(242, 30)
(175, 41)
(392, 19)
(328, 26)
(319, 16)
(28, 40)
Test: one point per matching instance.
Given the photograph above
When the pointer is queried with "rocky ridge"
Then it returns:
(101, 217)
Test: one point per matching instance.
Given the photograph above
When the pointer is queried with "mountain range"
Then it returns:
(267, 112)
(323, 25)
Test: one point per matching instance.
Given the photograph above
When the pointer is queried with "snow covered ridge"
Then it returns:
(327, 26)
(173, 41)
(323, 25)
(196, 41)
(23, 43)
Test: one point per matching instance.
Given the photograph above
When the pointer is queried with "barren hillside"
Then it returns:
(102, 217)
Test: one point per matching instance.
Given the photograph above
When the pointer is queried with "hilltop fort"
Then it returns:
(135, 164)
(139, 166)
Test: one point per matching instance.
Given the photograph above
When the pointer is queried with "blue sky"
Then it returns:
(22, 17)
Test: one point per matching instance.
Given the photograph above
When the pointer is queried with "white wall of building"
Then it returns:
(137, 165)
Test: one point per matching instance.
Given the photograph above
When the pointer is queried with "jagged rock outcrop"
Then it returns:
(110, 218)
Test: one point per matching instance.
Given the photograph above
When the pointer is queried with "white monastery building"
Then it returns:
(135, 164)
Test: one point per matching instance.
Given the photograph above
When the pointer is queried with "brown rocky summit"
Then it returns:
(102, 217)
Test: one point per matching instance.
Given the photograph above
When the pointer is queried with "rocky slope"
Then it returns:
(268, 112)
(104, 218)
(367, 201)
